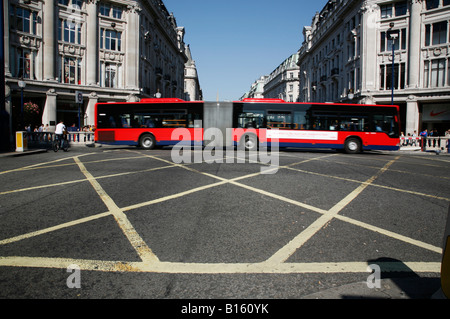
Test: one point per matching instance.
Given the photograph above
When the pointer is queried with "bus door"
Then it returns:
(217, 118)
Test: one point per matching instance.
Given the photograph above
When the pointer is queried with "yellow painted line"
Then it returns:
(391, 234)
(313, 227)
(39, 164)
(411, 172)
(87, 162)
(285, 252)
(216, 268)
(134, 238)
(84, 180)
(170, 197)
(372, 184)
(54, 228)
(152, 264)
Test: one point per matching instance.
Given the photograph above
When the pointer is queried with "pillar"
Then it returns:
(412, 115)
(49, 40)
(132, 48)
(90, 110)
(414, 44)
(49, 114)
(92, 43)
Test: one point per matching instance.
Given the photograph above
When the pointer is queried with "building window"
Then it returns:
(396, 9)
(432, 4)
(434, 73)
(110, 11)
(21, 19)
(77, 4)
(399, 76)
(400, 8)
(386, 11)
(71, 70)
(110, 40)
(386, 41)
(105, 9)
(110, 75)
(117, 12)
(21, 63)
(69, 31)
(436, 33)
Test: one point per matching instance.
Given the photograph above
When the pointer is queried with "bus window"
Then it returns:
(354, 123)
(194, 118)
(279, 119)
(125, 120)
(251, 119)
(385, 123)
(146, 120)
(299, 121)
(325, 121)
(174, 118)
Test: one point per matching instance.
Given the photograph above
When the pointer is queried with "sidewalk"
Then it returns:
(27, 152)
(418, 150)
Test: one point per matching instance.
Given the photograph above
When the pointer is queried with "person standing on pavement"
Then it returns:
(59, 132)
(423, 136)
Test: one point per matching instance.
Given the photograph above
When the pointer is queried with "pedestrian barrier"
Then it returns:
(429, 144)
(44, 139)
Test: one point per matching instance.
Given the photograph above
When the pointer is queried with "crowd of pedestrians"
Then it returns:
(430, 138)
(43, 133)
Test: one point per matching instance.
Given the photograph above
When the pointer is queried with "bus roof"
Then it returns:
(161, 100)
(259, 100)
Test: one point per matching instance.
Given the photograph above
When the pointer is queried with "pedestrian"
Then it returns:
(414, 138)
(423, 136)
(46, 130)
(59, 132)
(436, 136)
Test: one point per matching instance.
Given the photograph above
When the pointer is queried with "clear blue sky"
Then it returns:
(234, 42)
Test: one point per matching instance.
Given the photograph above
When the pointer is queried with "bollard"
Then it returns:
(21, 141)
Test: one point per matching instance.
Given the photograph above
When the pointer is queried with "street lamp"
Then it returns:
(393, 35)
(22, 85)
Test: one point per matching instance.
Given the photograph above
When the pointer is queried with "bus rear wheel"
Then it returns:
(352, 146)
(249, 142)
(147, 142)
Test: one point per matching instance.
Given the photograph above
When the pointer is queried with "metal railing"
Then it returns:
(428, 144)
(44, 139)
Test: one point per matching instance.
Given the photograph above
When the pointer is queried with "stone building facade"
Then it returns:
(192, 89)
(347, 56)
(281, 83)
(107, 50)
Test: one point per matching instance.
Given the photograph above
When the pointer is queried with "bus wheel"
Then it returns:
(147, 142)
(249, 142)
(352, 146)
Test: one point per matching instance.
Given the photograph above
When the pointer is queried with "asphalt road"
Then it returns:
(128, 223)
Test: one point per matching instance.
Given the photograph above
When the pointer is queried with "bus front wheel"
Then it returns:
(147, 142)
(352, 146)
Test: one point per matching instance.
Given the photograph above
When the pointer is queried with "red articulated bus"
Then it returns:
(250, 123)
